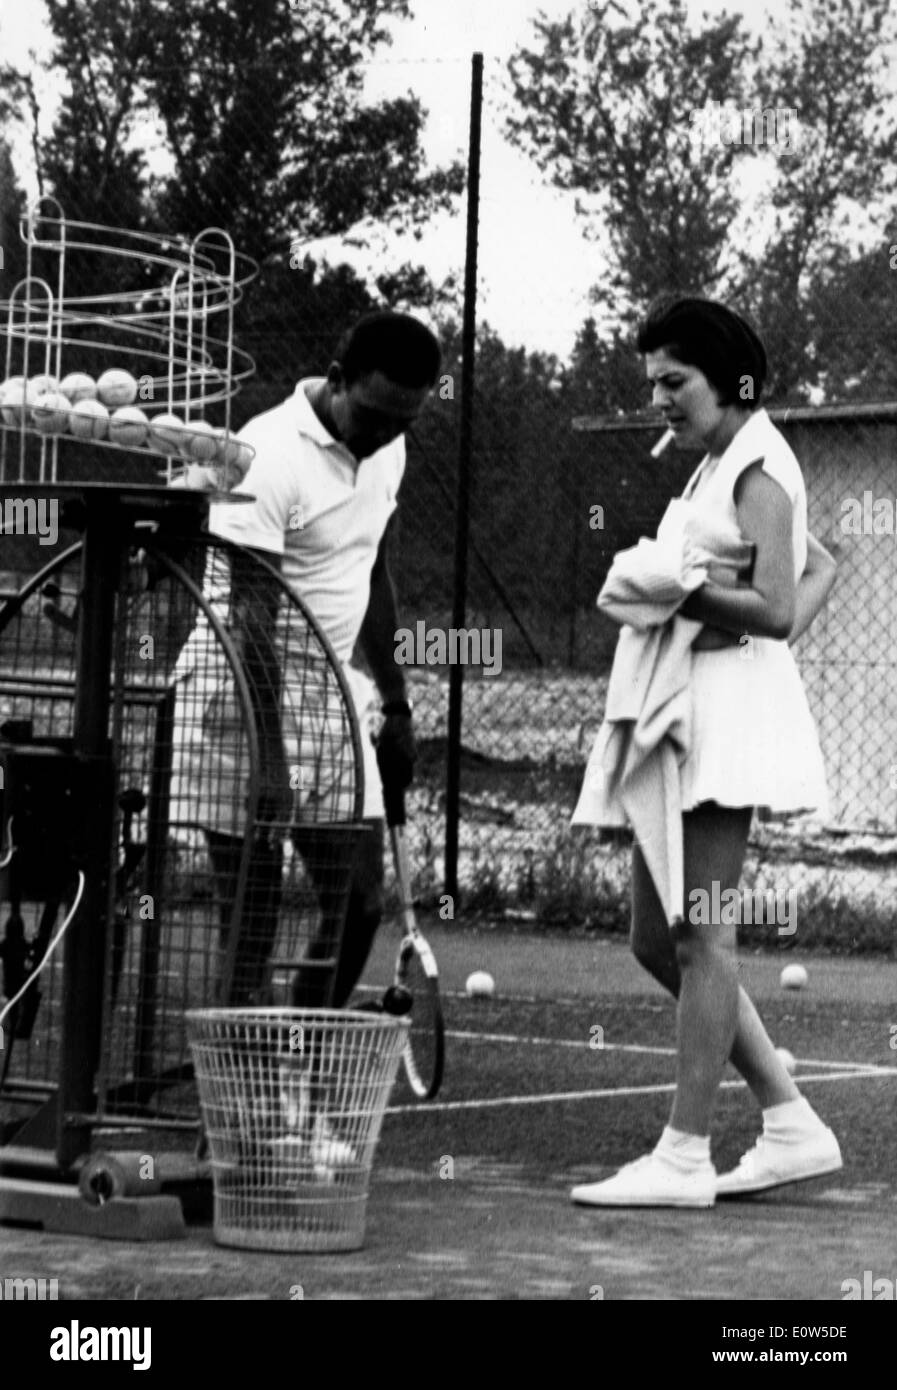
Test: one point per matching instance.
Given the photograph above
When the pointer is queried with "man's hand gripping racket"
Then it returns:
(415, 987)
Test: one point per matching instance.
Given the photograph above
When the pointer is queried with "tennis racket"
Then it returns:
(416, 971)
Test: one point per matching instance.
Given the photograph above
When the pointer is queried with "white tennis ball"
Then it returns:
(10, 385)
(89, 419)
(793, 977)
(196, 477)
(42, 383)
(787, 1060)
(233, 459)
(199, 441)
(480, 984)
(78, 386)
(167, 433)
(50, 412)
(128, 425)
(117, 387)
(14, 393)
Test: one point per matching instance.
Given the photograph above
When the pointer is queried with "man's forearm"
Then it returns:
(377, 638)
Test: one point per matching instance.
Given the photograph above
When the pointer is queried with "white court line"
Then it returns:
(560, 1042)
(859, 1067)
(606, 1093)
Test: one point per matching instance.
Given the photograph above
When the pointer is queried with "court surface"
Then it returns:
(560, 1077)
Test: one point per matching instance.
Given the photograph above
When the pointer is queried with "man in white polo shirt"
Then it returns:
(325, 477)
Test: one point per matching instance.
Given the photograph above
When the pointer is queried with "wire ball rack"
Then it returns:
(122, 340)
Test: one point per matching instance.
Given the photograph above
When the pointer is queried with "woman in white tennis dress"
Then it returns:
(752, 743)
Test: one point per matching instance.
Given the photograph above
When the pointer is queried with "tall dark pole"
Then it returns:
(462, 525)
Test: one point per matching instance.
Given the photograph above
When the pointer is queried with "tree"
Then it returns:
(827, 62)
(611, 109)
(262, 105)
(605, 375)
(91, 162)
(608, 106)
(254, 114)
(850, 323)
(12, 209)
(256, 105)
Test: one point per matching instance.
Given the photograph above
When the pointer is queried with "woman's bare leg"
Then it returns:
(722, 854)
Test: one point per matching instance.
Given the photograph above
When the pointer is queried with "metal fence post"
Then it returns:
(462, 521)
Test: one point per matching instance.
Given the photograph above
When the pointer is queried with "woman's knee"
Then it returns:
(697, 949)
(653, 949)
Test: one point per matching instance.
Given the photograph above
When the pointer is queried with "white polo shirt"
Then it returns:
(325, 513)
(319, 508)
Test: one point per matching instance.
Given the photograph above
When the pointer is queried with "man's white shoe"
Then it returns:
(772, 1162)
(651, 1182)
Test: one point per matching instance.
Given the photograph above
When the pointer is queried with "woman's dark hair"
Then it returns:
(707, 335)
(399, 346)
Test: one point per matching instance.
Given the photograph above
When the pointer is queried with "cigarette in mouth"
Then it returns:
(663, 444)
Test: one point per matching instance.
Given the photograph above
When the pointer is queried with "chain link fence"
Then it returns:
(562, 478)
(541, 551)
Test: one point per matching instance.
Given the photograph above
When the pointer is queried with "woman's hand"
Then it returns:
(813, 588)
(712, 639)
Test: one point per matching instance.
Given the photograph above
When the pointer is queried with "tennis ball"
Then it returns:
(166, 433)
(196, 478)
(787, 1060)
(117, 387)
(89, 419)
(128, 425)
(199, 441)
(42, 383)
(480, 984)
(234, 458)
(78, 386)
(50, 412)
(793, 977)
(11, 385)
(14, 393)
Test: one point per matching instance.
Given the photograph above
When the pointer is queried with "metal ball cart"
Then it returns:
(168, 766)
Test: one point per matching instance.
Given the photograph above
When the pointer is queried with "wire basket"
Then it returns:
(293, 1102)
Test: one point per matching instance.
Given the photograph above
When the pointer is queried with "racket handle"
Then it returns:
(393, 795)
(403, 874)
(394, 803)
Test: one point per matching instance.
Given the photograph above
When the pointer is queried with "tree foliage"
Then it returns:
(605, 105)
(618, 111)
(263, 108)
(826, 60)
(253, 111)
(12, 209)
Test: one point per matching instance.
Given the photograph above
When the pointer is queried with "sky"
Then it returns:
(535, 265)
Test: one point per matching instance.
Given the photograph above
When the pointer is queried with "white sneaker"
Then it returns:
(651, 1182)
(772, 1162)
(327, 1149)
